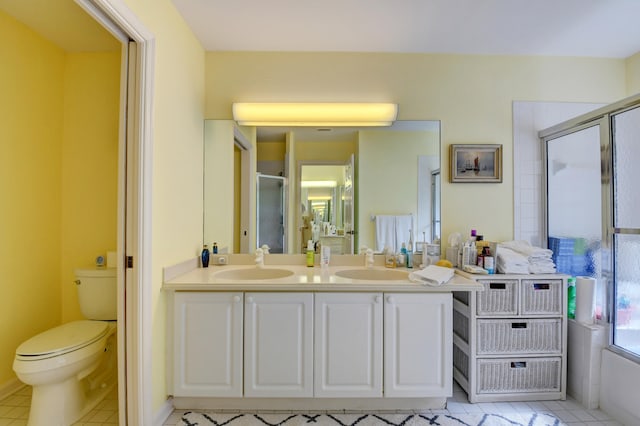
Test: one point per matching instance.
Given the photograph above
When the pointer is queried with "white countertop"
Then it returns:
(304, 278)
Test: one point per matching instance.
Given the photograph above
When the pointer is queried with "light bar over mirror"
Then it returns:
(315, 114)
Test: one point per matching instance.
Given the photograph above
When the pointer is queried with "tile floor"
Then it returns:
(569, 411)
(14, 410)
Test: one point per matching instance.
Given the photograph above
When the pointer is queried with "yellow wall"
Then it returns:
(31, 88)
(388, 176)
(271, 151)
(633, 74)
(89, 166)
(219, 200)
(471, 95)
(178, 105)
(59, 118)
(325, 151)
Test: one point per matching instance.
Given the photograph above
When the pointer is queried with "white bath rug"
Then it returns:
(192, 418)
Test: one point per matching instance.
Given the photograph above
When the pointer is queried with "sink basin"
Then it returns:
(373, 274)
(254, 274)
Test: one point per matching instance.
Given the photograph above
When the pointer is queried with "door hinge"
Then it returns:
(129, 262)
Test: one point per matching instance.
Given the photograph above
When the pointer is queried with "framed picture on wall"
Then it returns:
(475, 163)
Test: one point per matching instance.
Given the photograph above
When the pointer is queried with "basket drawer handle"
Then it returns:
(497, 286)
(518, 325)
(541, 286)
(519, 364)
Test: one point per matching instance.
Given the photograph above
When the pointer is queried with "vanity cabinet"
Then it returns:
(417, 345)
(348, 345)
(278, 345)
(510, 340)
(207, 347)
(313, 345)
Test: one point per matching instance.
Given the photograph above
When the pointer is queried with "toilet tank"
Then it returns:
(97, 293)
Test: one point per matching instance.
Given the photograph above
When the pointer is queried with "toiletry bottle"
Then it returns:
(389, 258)
(488, 260)
(480, 259)
(325, 256)
(215, 248)
(571, 297)
(204, 256)
(403, 252)
(410, 255)
(310, 253)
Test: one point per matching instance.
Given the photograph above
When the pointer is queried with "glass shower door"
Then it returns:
(574, 205)
(626, 230)
(271, 212)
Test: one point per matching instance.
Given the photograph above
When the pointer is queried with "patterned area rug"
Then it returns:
(191, 418)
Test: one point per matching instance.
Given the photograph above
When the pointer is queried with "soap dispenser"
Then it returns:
(310, 253)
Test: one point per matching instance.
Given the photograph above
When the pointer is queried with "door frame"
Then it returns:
(134, 206)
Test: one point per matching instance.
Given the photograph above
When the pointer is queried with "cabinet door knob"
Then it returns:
(390, 299)
(236, 299)
(378, 299)
(249, 299)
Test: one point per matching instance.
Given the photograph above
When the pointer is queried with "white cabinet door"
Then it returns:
(278, 345)
(348, 345)
(418, 345)
(207, 344)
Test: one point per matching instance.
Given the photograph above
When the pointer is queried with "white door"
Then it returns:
(418, 345)
(348, 345)
(207, 344)
(278, 345)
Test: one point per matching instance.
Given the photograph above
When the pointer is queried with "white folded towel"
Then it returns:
(432, 275)
(386, 233)
(523, 247)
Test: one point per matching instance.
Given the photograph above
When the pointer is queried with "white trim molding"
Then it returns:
(135, 207)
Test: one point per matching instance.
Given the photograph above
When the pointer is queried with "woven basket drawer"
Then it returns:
(500, 297)
(461, 325)
(461, 361)
(519, 375)
(542, 297)
(531, 336)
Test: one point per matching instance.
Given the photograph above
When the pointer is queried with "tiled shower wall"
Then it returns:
(528, 119)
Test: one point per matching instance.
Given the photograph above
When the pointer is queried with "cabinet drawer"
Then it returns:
(519, 336)
(499, 298)
(519, 375)
(542, 297)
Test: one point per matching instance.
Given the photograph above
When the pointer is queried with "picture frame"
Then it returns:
(475, 163)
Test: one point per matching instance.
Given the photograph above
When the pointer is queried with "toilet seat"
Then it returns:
(62, 339)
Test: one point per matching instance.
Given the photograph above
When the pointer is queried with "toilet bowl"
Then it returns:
(72, 367)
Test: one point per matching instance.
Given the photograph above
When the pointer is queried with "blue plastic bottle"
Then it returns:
(205, 256)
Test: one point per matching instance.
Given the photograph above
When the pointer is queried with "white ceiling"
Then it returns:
(598, 28)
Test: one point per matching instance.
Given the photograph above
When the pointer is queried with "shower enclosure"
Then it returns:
(271, 219)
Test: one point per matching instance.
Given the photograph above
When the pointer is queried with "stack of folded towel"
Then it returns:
(432, 275)
(520, 257)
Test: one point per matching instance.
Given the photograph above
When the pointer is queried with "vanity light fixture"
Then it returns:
(318, 184)
(315, 114)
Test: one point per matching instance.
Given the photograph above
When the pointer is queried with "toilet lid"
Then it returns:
(64, 338)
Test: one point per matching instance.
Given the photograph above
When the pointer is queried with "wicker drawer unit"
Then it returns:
(510, 339)
(500, 376)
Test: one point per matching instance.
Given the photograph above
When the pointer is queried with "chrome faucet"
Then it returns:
(368, 257)
(259, 258)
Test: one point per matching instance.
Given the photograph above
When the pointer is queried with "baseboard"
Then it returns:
(163, 412)
(10, 387)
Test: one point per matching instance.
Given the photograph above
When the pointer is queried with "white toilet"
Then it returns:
(73, 366)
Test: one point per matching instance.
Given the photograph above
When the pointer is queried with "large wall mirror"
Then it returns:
(285, 186)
